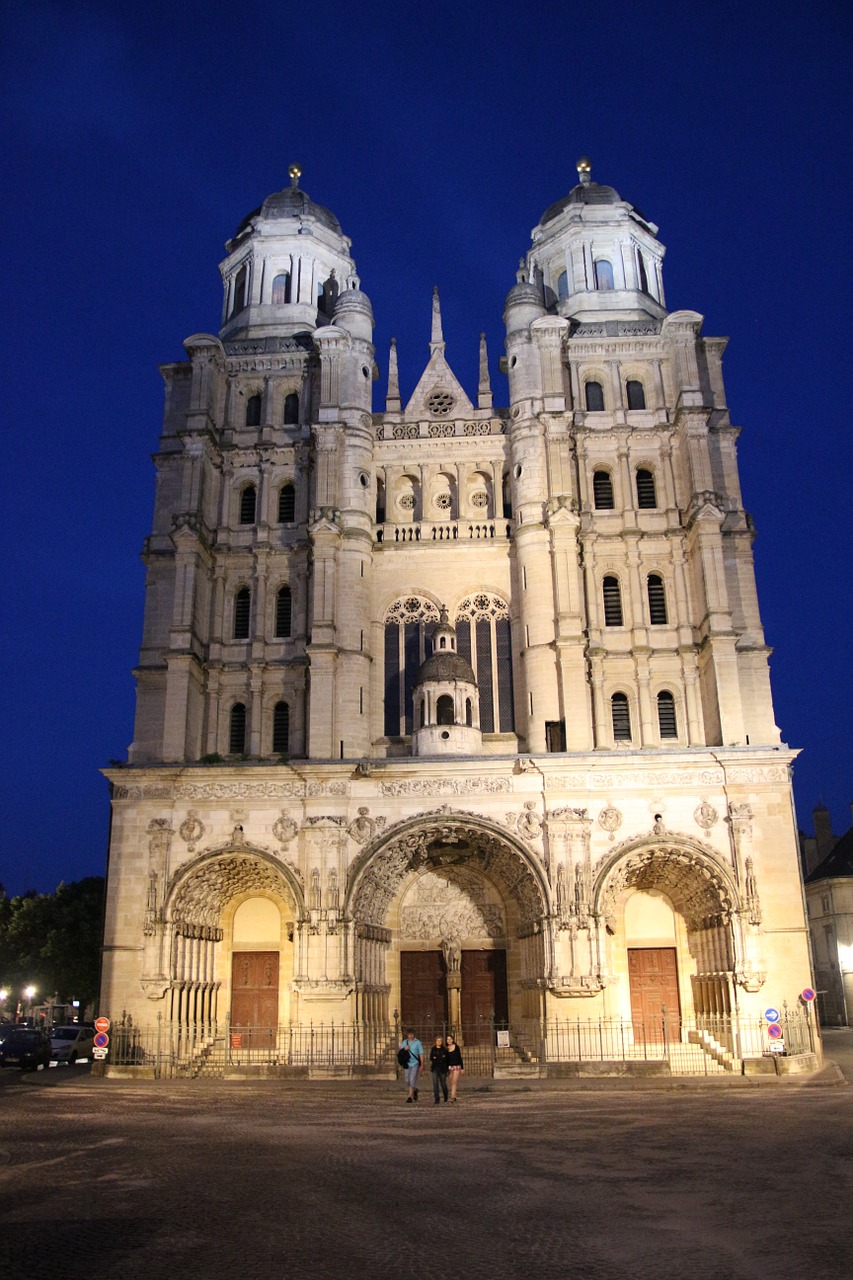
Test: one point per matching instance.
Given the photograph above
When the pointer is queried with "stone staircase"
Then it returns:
(715, 1051)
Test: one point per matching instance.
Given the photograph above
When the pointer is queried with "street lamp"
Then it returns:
(29, 995)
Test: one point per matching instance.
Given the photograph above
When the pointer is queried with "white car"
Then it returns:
(70, 1044)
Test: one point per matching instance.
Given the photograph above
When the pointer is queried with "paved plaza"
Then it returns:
(207, 1179)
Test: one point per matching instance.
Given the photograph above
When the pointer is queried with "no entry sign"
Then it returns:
(102, 1024)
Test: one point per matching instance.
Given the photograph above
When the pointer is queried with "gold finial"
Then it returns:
(584, 168)
(295, 174)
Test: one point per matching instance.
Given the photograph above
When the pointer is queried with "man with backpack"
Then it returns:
(413, 1064)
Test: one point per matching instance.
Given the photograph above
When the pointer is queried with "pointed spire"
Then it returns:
(436, 342)
(484, 390)
(392, 400)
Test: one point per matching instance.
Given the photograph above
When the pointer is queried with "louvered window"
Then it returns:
(283, 613)
(291, 409)
(667, 722)
(237, 729)
(612, 602)
(602, 491)
(636, 395)
(281, 728)
(253, 411)
(646, 495)
(287, 504)
(621, 715)
(657, 600)
(594, 393)
(242, 611)
(248, 501)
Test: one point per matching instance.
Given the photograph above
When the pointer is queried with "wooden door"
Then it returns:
(653, 978)
(423, 993)
(484, 996)
(254, 990)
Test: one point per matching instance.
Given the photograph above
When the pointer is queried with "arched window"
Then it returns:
(281, 728)
(283, 613)
(483, 637)
(248, 499)
(667, 723)
(422, 713)
(380, 501)
(286, 504)
(444, 709)
(657, 600)
(603, 274)
(242, 612)
(636, 394)
(291, 409)
(594, 393)
(281, 288)
(237, 729)
(506, 494)
(563, 285)
(641, 273)
(647, 498)
(612, 602)
(253, 411)
(620, 712)
(602, 491)
(469, 714)
(409, 625)
(239, 295)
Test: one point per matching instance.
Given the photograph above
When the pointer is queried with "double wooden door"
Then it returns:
(254, 990)
(423, 993)
(484, 997)
(653, 978)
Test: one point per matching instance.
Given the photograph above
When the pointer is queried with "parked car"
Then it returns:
(67, 1044)
(24, 1047)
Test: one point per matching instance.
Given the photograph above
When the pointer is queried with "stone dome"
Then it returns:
(584, 193)
(291, 202)
(446, 665)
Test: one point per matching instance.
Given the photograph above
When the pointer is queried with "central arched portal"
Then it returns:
(449, 915)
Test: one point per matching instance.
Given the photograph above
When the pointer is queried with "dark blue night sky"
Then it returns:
(136, 139)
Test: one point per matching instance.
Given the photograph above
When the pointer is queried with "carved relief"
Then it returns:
(191, 830)
(284, 828)
(446, 786)
(204, 893)
(528, 824)
(705, 816)
(610, 820)
(363, 827)
(453, 906)
(694, 886)
(238, 790)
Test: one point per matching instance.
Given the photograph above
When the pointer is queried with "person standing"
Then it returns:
(416, 1063)
(455, 1065)
(438, 1067)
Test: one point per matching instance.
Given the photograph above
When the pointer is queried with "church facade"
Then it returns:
(451, 713)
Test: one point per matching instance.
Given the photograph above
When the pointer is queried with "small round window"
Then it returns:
(440, 403)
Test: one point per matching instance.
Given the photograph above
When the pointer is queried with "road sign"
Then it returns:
(774, 1031)
(99, 1054)
(777, 1046)
(808, 994)
(102, 1024)
(771, 1015)
(101, 1040)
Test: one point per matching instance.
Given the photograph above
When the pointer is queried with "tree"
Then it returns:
(53, 941)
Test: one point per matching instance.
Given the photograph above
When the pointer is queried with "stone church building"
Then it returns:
(451, 712)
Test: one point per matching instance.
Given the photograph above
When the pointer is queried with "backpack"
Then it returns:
(403, 1056)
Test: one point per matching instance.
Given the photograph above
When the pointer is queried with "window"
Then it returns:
(563, 285)
(253, 411)
(291, 409)
(237, 729)
(636, 394)
(555, 735)
(248, 499)
(242, 611)
(409, 625)
(469, 713)
(281, 728)
(286, 504)
(444, 709)
(506, 495)
(281, 288)
(620, 713)
(603, 274)
(380, 501)
(483, 638)
(647, 498)
(657, 600)
(283, 613)
(602, 491)
(594, 393)
(641, 273)
(612, 602)
(667, 723)
(239, 296)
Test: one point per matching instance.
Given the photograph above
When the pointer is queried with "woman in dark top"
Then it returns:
(455, 1066)
(438, 1067)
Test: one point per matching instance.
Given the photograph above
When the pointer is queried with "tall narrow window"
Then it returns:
(483, 637)
(602, 491)
(667, 723)
(444, 709)
(563, 285)
(612, 602)
(253, 411)
(620, 712)
(594, 393)
(291, 409)
(242, 612)
(239, 292)
(647, 498)
(603, 274)
(281, 288)
(506, 494)
(281, 728)
(237, 729)
(286, 504)
(657, 600)
(248, 500)
(380, 501)
(409, 625)
(283, 613)
(641, 273)
(636, 394)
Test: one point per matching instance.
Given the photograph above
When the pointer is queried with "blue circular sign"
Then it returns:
(102, 1040)
(771, 1015)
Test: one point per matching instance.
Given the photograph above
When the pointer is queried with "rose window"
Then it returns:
(442, 500)
(440, 403)
(479, 499)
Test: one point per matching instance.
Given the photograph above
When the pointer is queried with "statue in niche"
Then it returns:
(237, 836)
(561, 892)
(451, 945)
(333, 889)
(315, 895)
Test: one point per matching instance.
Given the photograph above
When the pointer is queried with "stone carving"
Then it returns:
(314, 893)
(705, 816)
(326, 789)
(332, 890)
(363, 827)
(752, 904)
(528, 824)
(284, 828)
(693, 884)
(741, 815)
(770, 773)
(325, 819)
(159, 792)
(610, 820)
(446, 786)
(641, 780)
(191, 830)
(451, 905)
(237, 835)
(238, 790)
(201, 896)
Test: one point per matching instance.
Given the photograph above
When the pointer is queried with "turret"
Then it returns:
(446, 702)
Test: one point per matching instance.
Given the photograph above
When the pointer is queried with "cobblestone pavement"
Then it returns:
(210, 1179)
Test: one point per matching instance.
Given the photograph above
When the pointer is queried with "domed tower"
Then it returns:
(446, 702)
